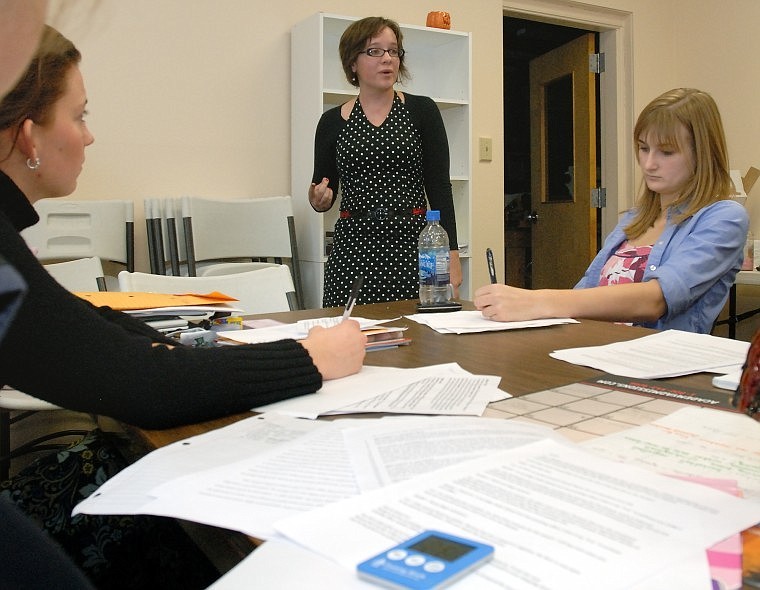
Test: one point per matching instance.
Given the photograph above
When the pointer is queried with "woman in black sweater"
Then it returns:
(64, 350)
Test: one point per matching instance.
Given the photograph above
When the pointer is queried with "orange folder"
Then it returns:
(125, 301)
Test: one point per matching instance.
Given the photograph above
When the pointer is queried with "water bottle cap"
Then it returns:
(433, 215)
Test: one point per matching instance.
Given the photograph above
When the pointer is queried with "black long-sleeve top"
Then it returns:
(92, 359)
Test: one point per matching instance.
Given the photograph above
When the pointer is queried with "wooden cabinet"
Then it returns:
(439, 63)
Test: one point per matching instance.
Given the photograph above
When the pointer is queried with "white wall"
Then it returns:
(192, 96)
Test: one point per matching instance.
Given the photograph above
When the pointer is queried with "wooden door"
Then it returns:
(563, 164)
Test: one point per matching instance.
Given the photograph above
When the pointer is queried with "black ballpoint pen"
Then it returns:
(491, 267)
(355, 288)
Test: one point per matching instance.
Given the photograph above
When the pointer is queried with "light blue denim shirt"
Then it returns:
(695, 263)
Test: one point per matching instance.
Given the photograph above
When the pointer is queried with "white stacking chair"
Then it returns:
(265, 290)
(70, 229)
(255, 229)
(84, 274)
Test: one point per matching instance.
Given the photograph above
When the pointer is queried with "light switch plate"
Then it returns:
(485, 149)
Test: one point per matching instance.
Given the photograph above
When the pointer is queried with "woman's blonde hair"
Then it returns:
(664, 119)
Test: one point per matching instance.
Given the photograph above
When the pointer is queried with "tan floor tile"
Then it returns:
(549, 397)
(634, 416)
(601, 426)
(517, 405)
(623, 398)
(591, 406)
(661, 406)
(559, 416)
(576, 436)
(581, 390)
(491, 412)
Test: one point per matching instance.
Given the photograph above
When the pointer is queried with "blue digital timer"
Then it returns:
(430, 560)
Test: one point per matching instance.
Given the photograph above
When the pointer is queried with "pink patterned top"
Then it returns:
(626, 265)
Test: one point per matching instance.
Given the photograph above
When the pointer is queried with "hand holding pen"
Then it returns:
(491, 266)
(353, 296)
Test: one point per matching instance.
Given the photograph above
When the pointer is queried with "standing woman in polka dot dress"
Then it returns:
(388, 151)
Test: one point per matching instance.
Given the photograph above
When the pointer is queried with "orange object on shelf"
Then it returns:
(438, 19)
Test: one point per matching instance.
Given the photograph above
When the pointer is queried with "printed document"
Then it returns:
(314, 469)
(447, 389)
(559, 517)
(664, 354)
(128, 491)
(696, 442)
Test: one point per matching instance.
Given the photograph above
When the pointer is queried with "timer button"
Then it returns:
(397, 554)
(414, 560)
(434, 567)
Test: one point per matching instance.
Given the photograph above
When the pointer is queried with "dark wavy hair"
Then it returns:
(354, 41)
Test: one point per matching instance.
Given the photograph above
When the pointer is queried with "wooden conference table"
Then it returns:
(520, 357)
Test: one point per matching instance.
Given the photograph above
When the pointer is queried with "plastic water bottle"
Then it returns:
(434, 261)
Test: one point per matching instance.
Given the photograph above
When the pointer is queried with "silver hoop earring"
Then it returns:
(32, 164)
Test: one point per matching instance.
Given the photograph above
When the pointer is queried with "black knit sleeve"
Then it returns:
(325, 149)
(62, 349)
(435, 160)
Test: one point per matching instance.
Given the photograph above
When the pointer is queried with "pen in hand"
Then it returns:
(355, 288)
(491, 267)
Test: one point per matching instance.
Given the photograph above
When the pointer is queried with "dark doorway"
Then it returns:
(523, 40)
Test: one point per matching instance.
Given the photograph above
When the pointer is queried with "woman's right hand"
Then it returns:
(337, 351)
(321, 195)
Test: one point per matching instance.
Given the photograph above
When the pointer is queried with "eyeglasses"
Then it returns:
(380, 52)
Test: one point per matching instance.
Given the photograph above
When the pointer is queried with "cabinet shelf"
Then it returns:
(335, 97)
(439, 62)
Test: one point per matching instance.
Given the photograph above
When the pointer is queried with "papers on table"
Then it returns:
(129, 491)
(697, 442)
(439, 389)
(297, 331)
(312, 466)
(465, 322)
(728, 381)
(664, 354)
(558, 516)
(587, 516)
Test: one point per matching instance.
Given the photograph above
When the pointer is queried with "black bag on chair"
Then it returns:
(115, 552)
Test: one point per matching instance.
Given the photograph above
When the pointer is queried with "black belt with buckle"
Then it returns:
(382, 213)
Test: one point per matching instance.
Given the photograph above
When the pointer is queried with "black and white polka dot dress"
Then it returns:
(380, 169)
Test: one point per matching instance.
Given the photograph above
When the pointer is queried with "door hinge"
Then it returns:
(599, 197)
(596, 63)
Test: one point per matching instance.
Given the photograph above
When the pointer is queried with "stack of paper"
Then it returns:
(299, 330)
(164, 312)
(465, 322)
(382, 338)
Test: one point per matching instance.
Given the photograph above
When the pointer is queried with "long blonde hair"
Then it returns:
(664, 117)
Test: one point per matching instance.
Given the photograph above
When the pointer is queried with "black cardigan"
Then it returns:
(63, 350)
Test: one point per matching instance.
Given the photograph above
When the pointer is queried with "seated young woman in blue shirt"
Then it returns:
(671, 260)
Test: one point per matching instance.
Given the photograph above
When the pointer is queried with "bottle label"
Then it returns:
(434, 268)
